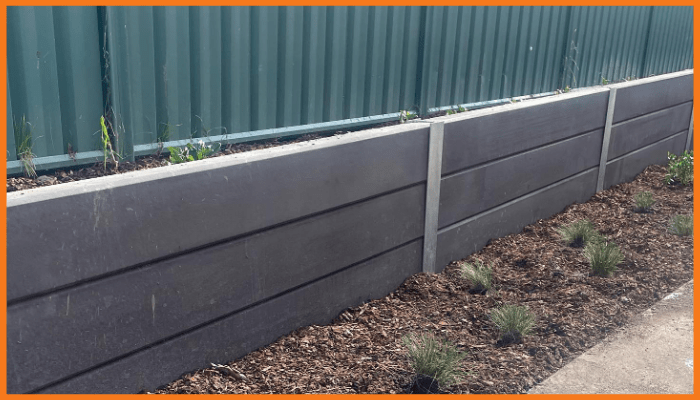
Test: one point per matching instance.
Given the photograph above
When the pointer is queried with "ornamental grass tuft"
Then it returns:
(479, 275)
(603, 257)
(431, 357)
(579, 233)
(643, 202)
(681, 225)
(514, 322)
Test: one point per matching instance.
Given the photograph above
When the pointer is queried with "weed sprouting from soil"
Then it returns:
(430, 357)
(459, 110)
(405, 116)
(479, 275)
(643, 202)
(681, 225)
(191, 152)
(579, 233)
(107, 148)
(514, 322)
(603, 257)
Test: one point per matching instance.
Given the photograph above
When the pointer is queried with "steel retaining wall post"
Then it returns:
(690, 128)
(606, 139)
(432, 196)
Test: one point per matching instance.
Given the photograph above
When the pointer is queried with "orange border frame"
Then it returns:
(3, 139)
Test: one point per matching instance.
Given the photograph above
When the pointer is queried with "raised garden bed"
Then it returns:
(232, 253)
(361, 351)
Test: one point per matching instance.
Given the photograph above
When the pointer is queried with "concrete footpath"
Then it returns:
(653, 354)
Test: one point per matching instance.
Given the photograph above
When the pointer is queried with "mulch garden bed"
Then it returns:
(361, 351)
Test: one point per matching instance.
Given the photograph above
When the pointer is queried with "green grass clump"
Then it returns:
(479, 275)
(579, 233)
(514, 322)
(163, 133)
(643, 201)
(681, 225)
(23, 141)
(603, 257)
(438, 359)
(680, 168)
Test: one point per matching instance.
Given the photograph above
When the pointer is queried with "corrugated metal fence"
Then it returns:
(168, 74)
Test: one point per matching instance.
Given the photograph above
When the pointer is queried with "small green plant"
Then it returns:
(23, 141)
(191, 152)
(603, 257)
(514, 322)
(107, 145)
(459, 110)
(431, 357)
(180, 155)
(479, 275)
(579, 233)
(405, 115)
(680, 168)
(163, 133)
(604, 81)
(643, 202)
(681, 225)
(567, 89)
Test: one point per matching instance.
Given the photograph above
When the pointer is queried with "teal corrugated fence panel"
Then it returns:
(670, 40)
(79, 78)
(54, 76)
(606, 44)
(11, 149)
(475, 54)
(205, 67)
(164, 75)
(132, 76)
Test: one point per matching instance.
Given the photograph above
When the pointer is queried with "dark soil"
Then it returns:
(68, 174)
(65, 175)
(423, 384)
(361, 350)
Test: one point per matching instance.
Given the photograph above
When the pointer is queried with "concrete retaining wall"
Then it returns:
(123, 283)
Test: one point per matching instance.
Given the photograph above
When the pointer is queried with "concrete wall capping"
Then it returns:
(651, 79)
(123, 283)
(209, 164)
(520, 105)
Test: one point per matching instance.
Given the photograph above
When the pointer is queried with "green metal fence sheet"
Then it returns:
(475, 54)
(670, 40)
(11, 149)
(606, 44)
(54, 75)
(168, 74)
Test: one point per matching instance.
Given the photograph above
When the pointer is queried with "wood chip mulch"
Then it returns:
(361, 350)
